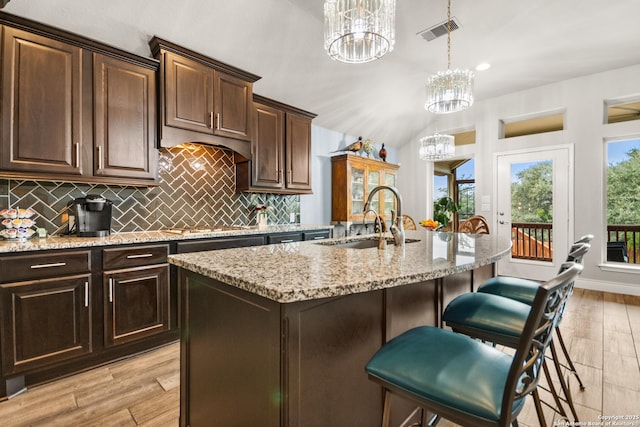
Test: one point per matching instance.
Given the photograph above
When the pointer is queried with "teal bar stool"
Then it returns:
(523, 290)
(501, 320)
(464, 380)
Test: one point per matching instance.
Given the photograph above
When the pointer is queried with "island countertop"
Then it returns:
(300, 271)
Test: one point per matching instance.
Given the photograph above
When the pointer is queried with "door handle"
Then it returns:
(501, 222)
(86, 294)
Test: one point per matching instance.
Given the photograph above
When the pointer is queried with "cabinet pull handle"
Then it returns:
(99, 148)
(286, 241)
(55, 264)
(319, 238)
(289, 174)
(218, 121)
(211, 119)
(86, 294)
(139, 256)
(77, 147)
(110, 290)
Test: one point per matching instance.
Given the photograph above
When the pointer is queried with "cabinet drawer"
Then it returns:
(39, 266)
(134, 256)
(284, 238)
(316, 235)
(211, 245)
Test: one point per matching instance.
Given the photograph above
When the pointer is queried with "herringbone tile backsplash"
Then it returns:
(197, 188)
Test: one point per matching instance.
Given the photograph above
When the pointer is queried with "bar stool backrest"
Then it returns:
(538, 330)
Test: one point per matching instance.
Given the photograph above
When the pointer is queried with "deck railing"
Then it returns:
(535, 240)
(532, 240)
(629, 234)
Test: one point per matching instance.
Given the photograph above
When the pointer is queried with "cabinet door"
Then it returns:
(124, 110)
(188, 92)
(358, 193)
(298, 149)
(137, 304)
(41, 104)
(267, 154)
(389, 201)
(44, 321)
(233, 99)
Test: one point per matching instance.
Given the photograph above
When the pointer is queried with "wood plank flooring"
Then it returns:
(602, 331)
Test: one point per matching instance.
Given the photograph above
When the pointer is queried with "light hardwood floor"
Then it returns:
(601, 329)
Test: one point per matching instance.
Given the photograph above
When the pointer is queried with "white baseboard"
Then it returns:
(616, 288)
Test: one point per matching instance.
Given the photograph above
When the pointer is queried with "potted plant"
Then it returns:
(443, 210)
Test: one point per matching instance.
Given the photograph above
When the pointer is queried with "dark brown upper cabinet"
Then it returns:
(41, 105)
(74, 109)
(280, 148)
(124, 119)
(203, 100)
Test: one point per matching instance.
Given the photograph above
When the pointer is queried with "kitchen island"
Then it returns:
(279, 335)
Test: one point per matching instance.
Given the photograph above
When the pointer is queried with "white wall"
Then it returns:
(316, 208)
(583, 100)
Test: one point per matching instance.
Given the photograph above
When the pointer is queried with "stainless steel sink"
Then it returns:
(370, 242)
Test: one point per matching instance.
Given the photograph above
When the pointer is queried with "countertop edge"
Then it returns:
(74, 242)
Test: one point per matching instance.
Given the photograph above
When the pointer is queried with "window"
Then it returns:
(465, 189)
(622, 112)
(623, 201)
(533, 125)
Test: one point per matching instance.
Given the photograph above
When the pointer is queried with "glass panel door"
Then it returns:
(373, 182)
(389, 199)
(357, 191)
(533, 194)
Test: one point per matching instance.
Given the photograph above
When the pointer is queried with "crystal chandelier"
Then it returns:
(452, 90)
(436, 147)
(357, 31)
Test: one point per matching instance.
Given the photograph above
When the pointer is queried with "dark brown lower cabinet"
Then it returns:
(136, 303)
(248, 360)
(44, 322)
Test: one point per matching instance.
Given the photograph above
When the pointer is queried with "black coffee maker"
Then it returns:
(93, 216)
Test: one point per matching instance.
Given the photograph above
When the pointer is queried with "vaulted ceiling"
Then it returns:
(528, 44)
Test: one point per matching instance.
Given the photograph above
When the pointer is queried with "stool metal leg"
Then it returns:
(538, 405)
(386, 408)
(563, 383)
(559, 408)
(571, 367)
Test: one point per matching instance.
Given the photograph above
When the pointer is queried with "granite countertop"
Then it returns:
(301, 271)
(70, 242)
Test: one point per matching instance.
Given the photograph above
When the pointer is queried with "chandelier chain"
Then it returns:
(449, 35)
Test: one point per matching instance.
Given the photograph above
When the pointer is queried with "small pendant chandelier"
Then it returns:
(452, 90)
(437, 147)
(357, 31)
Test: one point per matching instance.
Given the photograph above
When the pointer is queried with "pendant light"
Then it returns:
(437, 146)
(451, 90)
(358, 31)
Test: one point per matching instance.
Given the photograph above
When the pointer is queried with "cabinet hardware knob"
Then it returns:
(110, 290)
(55, 264)
(139, 256)
(86, 294)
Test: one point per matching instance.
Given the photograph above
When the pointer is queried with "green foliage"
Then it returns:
(443, 210)
(623, 185)
(532, 194)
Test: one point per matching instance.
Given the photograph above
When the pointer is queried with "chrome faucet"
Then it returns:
(396, 217)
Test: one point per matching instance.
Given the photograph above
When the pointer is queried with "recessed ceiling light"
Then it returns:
(483, 66)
